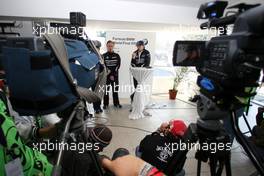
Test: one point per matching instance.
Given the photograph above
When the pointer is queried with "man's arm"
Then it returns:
(47, 132)
(147, 60)
(133, 60)
(130, 166)
(15, 145)
(118, 62)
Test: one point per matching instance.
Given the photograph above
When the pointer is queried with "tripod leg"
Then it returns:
(221, 167)
(96, 163)
(245, 119)
(57, 167)
(199, 164)
(94, 157)
(212, 166)
(228, 166)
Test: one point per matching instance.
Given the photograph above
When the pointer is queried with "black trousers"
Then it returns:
(114, 85)
(135, 85)
(96, 105)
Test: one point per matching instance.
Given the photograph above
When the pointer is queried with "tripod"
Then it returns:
(205, 132)
(223, 162)
(218, 159)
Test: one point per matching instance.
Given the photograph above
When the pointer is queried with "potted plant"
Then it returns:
(179, 75)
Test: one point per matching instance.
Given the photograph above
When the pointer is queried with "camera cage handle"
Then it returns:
(246, 146)
(57, 167)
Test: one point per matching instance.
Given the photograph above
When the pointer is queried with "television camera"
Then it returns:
(230, 68)
(67, 68)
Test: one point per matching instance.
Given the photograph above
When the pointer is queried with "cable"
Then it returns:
(127, 127)
(160, 95)
(169, 108)
(93, 121)
(186, 102)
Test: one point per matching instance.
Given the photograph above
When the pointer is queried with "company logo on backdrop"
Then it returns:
(124, 41)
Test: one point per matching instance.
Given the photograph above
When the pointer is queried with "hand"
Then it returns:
(48, 132)
(124, 166)
(164, 127)
(112, 78)
(134, 56)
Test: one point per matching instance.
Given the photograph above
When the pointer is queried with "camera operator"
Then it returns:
(140, 58)
(112, 62)
(30, 128)
(13, 151)
(155, 148)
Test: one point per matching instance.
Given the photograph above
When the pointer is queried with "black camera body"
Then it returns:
(230, 68)
(230, 63)
(78, 19)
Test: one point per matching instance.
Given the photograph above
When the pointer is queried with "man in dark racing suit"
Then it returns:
(112, 63)
(140, 58)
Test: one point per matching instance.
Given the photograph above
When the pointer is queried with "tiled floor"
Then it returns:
(128, 133)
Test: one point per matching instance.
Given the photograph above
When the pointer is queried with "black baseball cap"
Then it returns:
(140, 43)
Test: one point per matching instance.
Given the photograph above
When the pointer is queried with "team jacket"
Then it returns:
(12, 147)
(140, 60)
(154, 150)
(112, 62)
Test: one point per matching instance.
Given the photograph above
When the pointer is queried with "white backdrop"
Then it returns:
(125, 45)
(109, 10)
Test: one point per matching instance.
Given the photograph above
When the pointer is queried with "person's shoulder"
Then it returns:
(117, 54)
(146, 51)
(105, 54)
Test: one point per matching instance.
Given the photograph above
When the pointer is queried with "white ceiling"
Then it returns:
(191, 3)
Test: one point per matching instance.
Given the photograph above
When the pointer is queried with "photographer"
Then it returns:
(155, 148)
(30, 128)
(13, 150)
(112, 62)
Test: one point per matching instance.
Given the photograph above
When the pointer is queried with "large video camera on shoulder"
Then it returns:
(53, 74)
(227, 63)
